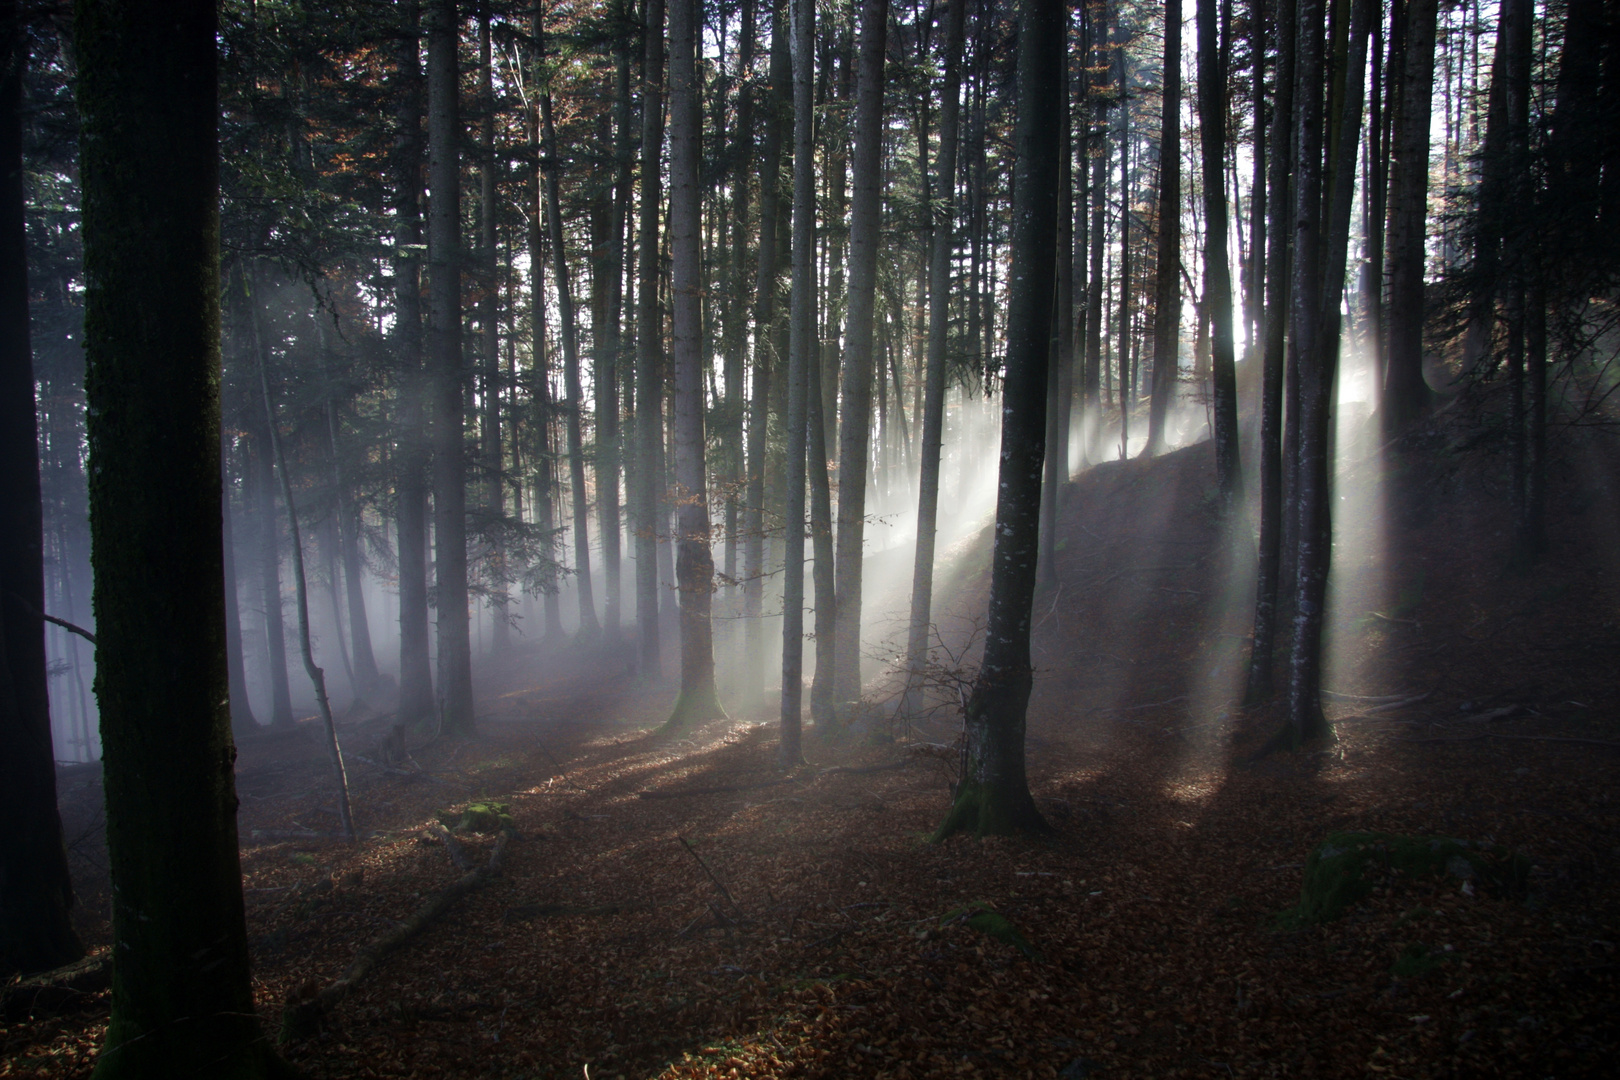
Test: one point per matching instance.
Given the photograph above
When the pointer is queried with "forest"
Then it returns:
(765, 538)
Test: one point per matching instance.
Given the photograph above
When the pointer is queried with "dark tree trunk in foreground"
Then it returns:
(411, 455)
(1167, 282)
(1269, 563)
(35, 890)
(444, 350)
(801, 353)
(646, 498)
(694, 559)
(993, 795)
(1323, 205)
(933, 413)
(1405, 392)
(1212, 107)
(855, 433)
(182, 1001)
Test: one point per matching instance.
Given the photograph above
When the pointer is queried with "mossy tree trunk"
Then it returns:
(35, 890)
(993, 796)
(182, 999)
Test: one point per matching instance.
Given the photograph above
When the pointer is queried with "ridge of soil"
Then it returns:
(810, 930)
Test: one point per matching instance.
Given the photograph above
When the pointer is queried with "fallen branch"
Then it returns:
(725, 892)
(295, 834)
(301, 1019)
(458, 854)
(55, 991)
(1364, 697)
(1401, 704)
(1152, 704)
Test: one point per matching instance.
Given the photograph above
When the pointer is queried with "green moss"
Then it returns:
(480, 817)
(1346, 867)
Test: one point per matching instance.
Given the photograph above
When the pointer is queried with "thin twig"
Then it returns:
(725, 892)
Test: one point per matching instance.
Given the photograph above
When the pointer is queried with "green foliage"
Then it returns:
(479, 817)
(1347, 866)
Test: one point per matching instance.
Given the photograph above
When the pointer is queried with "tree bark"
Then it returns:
(1212, 107)
(649, 346)
(1279, 207)
(694, 559)
(36, 891)
(993, 796)
(444, 352)
(608, 455)
(493, 465)
(1167, 284)
(411, 450)
(933, 410)
(801, 354)
(182, 998)
(1406, 393)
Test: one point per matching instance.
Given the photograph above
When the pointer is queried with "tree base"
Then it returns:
(987, 810)
(138, 1059)
(695, 706)
(1290, 739)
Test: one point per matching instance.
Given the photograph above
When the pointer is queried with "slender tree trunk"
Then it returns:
(801, 354)
(444, 352)
(1059, 379)
(993, 796)
(35, 889)
(264, 483)
(1212, 107)
(649, 345)
(1167, 285)
(1279, 206)
(750, 684)
(1405, 392)
(694, 559)
(182, 1000)
(854, 448)
(822, 577)
(411, 451)
(589, 627)
(933, 410)
(608, 453)
(489, 316)
(243, 722)
(545, 482)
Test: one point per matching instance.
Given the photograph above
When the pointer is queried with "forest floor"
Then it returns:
(673, 907)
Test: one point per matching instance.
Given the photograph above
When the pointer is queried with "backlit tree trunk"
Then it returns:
(1167, 287)
(647, 498)
(1212, 106)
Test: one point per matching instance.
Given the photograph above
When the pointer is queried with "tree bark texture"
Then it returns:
(445, 357)
(993, 794)
(649, 345)
(855, 432)
(1212, 108)
(1167, 282)
(694, 558)
(182, 999)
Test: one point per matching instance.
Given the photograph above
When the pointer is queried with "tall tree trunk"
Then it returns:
(35, 889)
(1517, 239)
(444, 355)
(243, 721)
(1167, 281)
(933, 411)
(649, 344)
(545, 482)
(694, 560)
(494, 467)
(1097, 147)
(411, 451)
(765, 282)
(855, 433)
(1279, 206)
(801, 354)
(182, 1000)
(264, 484)
(589, 627)
(736, 326)
(1059, 378)
(1212, 107)
(1405, 392)
(993, 796)
(608, 456)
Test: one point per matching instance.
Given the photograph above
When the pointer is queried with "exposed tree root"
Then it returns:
(58, 990)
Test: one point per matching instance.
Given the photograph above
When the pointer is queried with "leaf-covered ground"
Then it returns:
(806, 927)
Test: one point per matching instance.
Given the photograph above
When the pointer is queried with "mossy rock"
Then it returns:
(481, 817)
(1347, 866)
